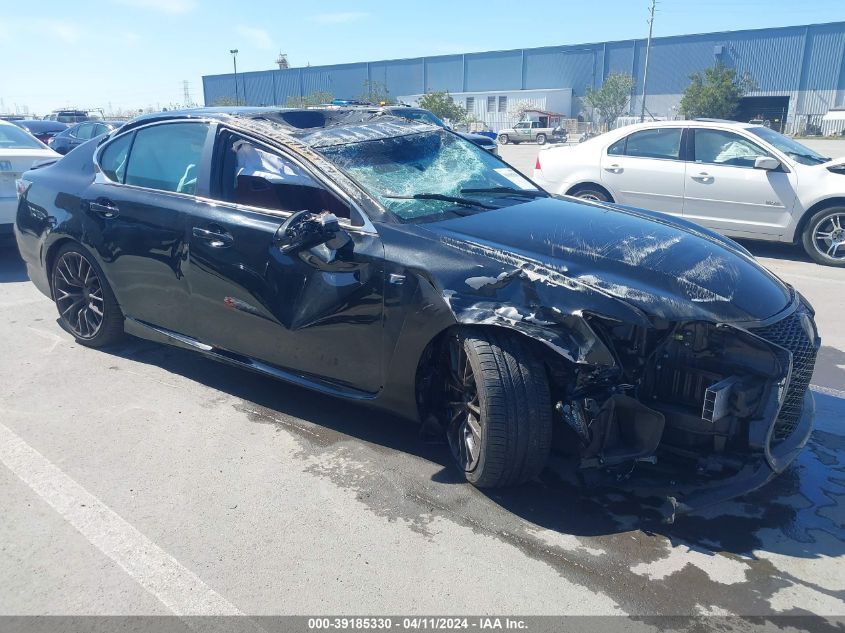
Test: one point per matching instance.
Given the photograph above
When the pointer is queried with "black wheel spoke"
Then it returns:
(464, 430)
(79, 295)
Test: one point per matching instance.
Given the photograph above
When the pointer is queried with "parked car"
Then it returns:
(40, 129)
(80, 133)
(421, 114)
(398, 265)
(532, 132)
(18, 151)
(73, 116)
(739, 179)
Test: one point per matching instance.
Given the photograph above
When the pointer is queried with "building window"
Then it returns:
(503, 104)
(470, 104)
(491, 104)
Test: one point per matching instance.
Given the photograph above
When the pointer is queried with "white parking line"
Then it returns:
(179, 589)
(836, 393)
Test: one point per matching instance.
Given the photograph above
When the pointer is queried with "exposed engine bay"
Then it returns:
(697, 396)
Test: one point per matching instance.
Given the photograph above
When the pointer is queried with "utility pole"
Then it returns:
(234, 53)
(647, 51)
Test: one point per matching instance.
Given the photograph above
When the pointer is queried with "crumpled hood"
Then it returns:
(836, 162)
(665, 267)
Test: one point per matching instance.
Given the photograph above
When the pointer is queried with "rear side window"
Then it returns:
(113, 158)
(167, 157)
(662, 143)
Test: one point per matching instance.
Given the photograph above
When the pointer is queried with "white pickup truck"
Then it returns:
(532, 131)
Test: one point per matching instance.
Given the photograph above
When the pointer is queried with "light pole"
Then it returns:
(234, 53)
(647, 51)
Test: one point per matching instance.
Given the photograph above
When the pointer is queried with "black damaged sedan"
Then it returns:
(394, 263)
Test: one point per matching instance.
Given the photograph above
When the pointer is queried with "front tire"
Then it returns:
(592, 193)
(503, 139)
(498, 408)
(85, 301)
(824, 237)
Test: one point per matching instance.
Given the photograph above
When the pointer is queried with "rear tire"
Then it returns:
(498, 407)
(541, 139)
(824, 237)
(85, 301)
(589, 192)
(503, 139)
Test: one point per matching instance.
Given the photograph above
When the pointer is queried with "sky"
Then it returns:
(130, 54)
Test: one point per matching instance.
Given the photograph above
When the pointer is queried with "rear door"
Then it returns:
(646, 169)
(298, 311)
(136, 217)
(725, 192)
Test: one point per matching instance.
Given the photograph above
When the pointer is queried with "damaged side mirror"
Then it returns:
(306, 230)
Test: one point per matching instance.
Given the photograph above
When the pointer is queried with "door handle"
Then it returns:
(215, 236)
(613, 169)
(703, 177)
(104, 208)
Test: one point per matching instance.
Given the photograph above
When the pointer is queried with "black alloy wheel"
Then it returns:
(498, 412)
(464, 410)
(87, 307)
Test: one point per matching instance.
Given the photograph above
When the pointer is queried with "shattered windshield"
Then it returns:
(431, 175)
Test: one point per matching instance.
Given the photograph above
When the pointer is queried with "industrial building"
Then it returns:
(799, 72)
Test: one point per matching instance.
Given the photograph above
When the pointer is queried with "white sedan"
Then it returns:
(18, 151)
(739, 179)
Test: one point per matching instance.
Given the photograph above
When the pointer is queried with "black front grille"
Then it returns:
(790, 334)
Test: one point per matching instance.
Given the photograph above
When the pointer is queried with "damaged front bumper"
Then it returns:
(749, 478)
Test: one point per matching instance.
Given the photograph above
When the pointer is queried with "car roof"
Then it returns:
(689, 123)
(42, 124)
(318, 126)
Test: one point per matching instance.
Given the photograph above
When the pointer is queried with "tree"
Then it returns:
(224, 101)
(611, 100)
(375, 92)
(315, 98)
(715, 94)
(519, 109)
(442, 104)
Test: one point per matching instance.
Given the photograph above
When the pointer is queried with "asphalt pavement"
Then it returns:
(145, 479)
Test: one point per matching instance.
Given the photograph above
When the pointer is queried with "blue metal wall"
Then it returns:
(790, 59)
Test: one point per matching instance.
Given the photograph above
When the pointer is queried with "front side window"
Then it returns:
(254, 176)
(662, 143)
(83, 132)
(431, 175)
(167, 157)
(719, 147)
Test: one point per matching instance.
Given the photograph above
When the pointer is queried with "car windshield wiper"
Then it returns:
(528, 193)
(467, 202)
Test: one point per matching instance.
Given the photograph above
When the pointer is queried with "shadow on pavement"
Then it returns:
(784, 517)
(777, 250)
(12, 267)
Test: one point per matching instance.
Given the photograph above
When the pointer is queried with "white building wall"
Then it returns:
(497, 109)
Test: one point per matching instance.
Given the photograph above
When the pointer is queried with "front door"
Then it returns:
(645, 169)
(725, 192)
(301, 311)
